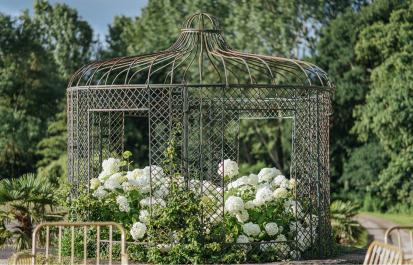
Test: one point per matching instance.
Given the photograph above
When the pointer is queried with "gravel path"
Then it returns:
(376, 228)
(5, 253)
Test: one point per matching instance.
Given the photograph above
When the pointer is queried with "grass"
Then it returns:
(399, 219)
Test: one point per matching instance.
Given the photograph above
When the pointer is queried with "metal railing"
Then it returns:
(85, 226)
(400, 243)
(22, 258)
(379, 253)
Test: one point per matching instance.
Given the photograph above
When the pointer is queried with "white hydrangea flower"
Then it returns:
(126, 186)
(144, 184)
(285, 184)
(94, 183)
(111, 165)
(281, 238)
(142, 181)
(251, 179)
(138, 230)
(271, 229)
(292, 206)
(282, 247)
(180, 180)
(242, 239)
(112, 184)
(242, 216)
(219, 190)
(118, 177)
(263, 195)
(195, 185)
(103, 176)
(122, 201)
(295, 254)
(100, 192)
(164, 248)
(278, 180)
(280, 193)
(267, 247)
(293, 183)
(251, 229)
(134, 174)
(311, 220)
(161, 192)
(249, 205)
(210, 188)
(216, 217)
(295, 226)
(267, 174)
(207, 231)
(144, 216)
(155, 201)
(234, 184)
(145, 201)
(228, 168)
(304, 239)
(155, 172)
(234, 204)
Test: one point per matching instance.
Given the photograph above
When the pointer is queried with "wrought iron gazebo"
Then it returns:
(199, 90)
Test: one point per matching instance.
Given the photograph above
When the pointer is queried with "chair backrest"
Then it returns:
(20, 258)
(403, 238)
(380, 253)
(77, 242)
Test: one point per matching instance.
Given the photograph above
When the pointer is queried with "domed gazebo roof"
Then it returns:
(200, 56)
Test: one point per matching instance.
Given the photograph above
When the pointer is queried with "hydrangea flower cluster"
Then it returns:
(263, 206)
(125, 187)
(260, 207)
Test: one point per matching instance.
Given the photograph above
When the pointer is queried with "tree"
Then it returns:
(279, 26)
(27, 80)
(351, 74)
(117, 47)
(37, 55)
(387, 113)
(52, 150)
(68, 37)
(70, 40)
(360, 175)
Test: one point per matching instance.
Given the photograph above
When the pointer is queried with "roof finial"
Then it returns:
(200, 22)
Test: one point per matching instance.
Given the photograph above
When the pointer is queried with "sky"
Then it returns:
(99, 13)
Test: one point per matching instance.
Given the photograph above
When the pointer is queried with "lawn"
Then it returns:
(400, 219)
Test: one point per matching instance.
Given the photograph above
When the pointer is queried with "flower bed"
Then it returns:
(177, 220)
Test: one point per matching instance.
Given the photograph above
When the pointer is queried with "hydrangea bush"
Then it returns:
(259, 221)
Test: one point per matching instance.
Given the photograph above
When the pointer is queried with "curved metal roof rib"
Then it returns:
(200, 56)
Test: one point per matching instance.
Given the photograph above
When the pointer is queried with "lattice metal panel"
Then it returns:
(195, 94)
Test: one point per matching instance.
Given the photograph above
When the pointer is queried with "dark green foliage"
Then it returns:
(345, 229)
(27, 90)
(64, 34)
(387, 113)
(367, 54)
(52, 150)
(37, 55)
(266, 143)
(361, 173)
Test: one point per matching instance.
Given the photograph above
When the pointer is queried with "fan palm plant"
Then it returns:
(24, 202)
(346, 230)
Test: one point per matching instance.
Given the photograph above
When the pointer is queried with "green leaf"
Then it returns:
(127, 154)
